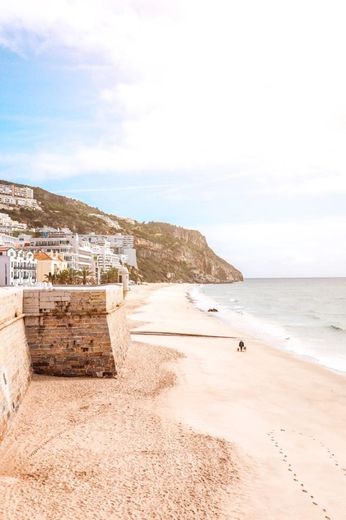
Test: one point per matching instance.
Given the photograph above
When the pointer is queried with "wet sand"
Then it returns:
(285, 417)
(191, 429)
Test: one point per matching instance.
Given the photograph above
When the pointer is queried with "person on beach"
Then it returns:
(241, 345)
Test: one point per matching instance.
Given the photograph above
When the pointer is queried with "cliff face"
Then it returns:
(165, 252)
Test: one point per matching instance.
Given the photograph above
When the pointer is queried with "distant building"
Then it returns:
(76, 252)
(131, 256)
(47, 231)
(121, 245)
(8, 240)
(22, 196)
(17, 267)
(48, 264)
(106, 258)
(7, 225)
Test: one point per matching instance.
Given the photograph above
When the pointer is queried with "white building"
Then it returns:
(7, 240)
(22, 196)
(17, 267)
(106, 258)
(7, 225)
(121, 245)
(76, 252)
(47, 231)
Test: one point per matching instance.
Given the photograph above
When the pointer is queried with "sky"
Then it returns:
(223, 116)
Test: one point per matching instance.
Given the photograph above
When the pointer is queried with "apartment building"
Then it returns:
(77, 253)
(8, 240)
(22, 196)
(7, 225)
(17, 267)
(122, 245)
(106, 258)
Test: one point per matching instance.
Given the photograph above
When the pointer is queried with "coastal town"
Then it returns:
(49, 255)
(172, 260)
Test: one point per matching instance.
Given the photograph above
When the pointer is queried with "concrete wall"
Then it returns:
(15, 370)
(76, 331)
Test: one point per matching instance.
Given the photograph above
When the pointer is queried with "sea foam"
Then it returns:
(306, 317)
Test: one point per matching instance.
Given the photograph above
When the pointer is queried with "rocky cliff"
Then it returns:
(165, 252)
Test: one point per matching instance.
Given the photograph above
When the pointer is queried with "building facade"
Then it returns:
(7, 225)
(22, 196)
(17, 267)
(120, 245)
(76, 253)
(49, 264)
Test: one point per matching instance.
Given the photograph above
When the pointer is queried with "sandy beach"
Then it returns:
(284, 416)
(191, 429)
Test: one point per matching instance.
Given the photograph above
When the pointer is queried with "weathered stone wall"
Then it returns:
(15, 368)
(76, 331)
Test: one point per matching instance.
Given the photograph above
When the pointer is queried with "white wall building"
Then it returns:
(76, 252)
(106, 258)
(7, 225)
(7, 240)
(23, 196)
(17, 267)
(121, 245)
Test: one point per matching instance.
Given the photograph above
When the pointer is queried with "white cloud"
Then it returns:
(200, 84)
(304, 247)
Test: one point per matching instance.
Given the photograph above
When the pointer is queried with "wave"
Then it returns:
(312, 333)
(238, 317)
(200, 300)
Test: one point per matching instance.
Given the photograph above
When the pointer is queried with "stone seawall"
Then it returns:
(72, 331)
(76, 331)
(15, 365)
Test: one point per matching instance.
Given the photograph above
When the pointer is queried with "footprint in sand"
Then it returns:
(285, 459)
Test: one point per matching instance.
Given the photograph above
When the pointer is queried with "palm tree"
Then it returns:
(85, 275)
(110, 276)
(52, 278)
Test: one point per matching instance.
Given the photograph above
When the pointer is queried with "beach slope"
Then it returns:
(284, 416)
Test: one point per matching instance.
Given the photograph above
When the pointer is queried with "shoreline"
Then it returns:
(284, 415)
(266, 339)
(191, 429)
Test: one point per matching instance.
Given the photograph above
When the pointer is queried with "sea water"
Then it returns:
(305, 315)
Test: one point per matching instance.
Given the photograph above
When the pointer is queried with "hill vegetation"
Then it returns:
(165, 252)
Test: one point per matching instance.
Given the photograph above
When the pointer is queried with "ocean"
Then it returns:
(306, 316)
